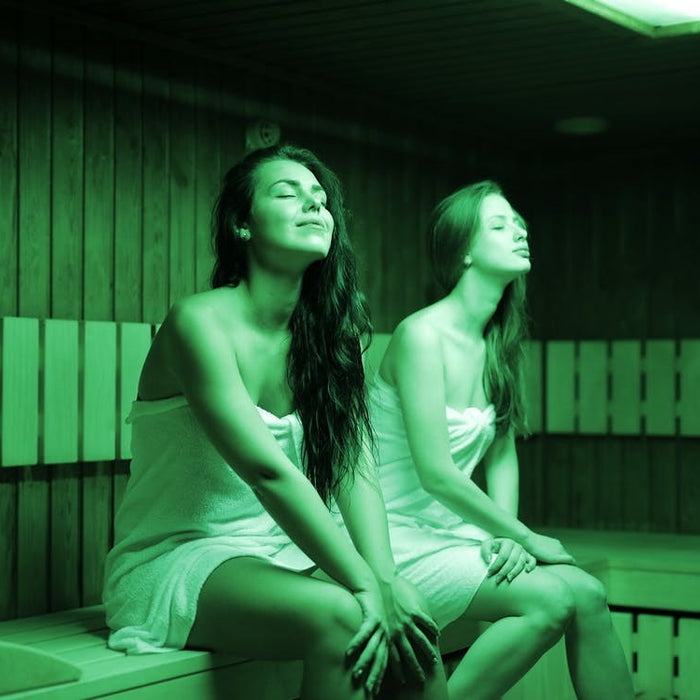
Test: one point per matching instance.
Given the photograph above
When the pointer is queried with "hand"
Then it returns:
(413, 634)
(548, 550)
(511, 560)
(371, 641)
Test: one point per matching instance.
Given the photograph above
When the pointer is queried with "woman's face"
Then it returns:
(288, 216)
(500, 242)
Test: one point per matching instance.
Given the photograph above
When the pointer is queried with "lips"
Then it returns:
(312, 222)
(522, 251)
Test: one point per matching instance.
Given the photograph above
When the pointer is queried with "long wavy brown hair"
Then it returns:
(324, 363)
(453, 225)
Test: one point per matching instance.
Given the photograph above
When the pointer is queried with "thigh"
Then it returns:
(251, 607)
(586, 589)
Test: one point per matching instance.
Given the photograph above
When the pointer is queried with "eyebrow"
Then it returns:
(296, 183)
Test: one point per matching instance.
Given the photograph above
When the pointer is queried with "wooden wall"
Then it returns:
(615, 246)
(111, 154)
(110, 157)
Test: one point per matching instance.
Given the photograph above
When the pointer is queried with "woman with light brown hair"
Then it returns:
(448, 397)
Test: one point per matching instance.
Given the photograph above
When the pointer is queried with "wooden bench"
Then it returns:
(653, 584)
(67, 386)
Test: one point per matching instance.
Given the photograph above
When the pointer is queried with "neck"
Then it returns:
(272, 297)
(474, 301)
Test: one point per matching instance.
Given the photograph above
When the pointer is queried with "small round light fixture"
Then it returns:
(581, 126)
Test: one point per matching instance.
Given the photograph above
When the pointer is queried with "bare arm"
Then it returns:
(360, 501)
(200, 359)
(502, 474)
(418, 373)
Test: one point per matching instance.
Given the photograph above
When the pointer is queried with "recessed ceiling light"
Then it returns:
(654, 18)
(581, 126)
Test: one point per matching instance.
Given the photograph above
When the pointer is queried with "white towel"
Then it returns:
(433, 547)
(184, 512)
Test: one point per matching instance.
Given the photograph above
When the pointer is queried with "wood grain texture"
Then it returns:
(60, 391)
(19, 396)
(9, 186)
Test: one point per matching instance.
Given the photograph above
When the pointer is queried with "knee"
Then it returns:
(338, 619)
(556, 607)
(589, 595)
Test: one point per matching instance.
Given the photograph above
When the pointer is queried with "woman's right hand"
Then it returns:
(547, 550)
(370, 644)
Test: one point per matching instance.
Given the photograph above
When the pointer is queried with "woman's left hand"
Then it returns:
(413, 634)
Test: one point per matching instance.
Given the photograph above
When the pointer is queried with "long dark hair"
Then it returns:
(324, 363)
(454, 222)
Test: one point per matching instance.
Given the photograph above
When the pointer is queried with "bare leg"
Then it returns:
(434, 688)
(529, 615)
(596, 661)
(253, 608)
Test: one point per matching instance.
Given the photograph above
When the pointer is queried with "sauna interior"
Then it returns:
(117, 123)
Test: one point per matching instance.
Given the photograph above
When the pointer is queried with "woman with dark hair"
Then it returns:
(251, 418)
(448, 396)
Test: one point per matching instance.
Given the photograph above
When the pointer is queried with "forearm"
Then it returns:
(503, 488)
(296, 506)
(364, 514)
(463, 497)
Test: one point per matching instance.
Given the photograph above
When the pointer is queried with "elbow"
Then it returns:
(434, 484)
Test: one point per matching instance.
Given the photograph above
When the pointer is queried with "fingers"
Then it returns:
(409, 661)
(423, 646)
(531, 563)
(428, 624)
(514, 552)
(395, 662)
(378, 663)
(488, 547)
(360, 639)
(504, 550)
(366, 657)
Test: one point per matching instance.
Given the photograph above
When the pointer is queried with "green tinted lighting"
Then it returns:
(653, 18)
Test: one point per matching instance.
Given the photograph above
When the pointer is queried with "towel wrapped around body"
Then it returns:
(433, 547)
(184, 512)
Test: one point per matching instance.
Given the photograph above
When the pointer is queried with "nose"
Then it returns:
(312, 202)
(520, 233)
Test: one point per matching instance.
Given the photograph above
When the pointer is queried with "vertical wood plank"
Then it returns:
(99, 398)
(182, 183)
(8, 543)
(96, 528)
(612, 489)
(156, 166)
(60, 414)
(208, 169)
(622, 622)
(34, 268)
(19, 401)
(557, 479)
(593, 387)
(33, 542)
(660, 405)
(655, 656)
(9, 203)
(98, 249)
(560, 373)
(533, 384)
(134, 343)
(128, 267)
(65, 536)
(67, 184)
(663, 485)
(636, 502)
(687, 685)
(689, 487)
(625, 404)
(690, 388)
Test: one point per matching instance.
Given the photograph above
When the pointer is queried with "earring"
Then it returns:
(244, 234)
(468, 260)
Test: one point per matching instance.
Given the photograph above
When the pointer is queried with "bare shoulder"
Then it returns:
(205, 311)
(192, 325)
(416, 336)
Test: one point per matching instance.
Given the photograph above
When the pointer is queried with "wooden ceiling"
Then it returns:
(504, 68)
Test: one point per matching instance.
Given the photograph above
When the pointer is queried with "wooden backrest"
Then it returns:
(67, 387)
